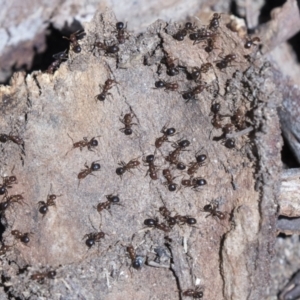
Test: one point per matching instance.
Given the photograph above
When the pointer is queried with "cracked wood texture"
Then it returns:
(229, 259)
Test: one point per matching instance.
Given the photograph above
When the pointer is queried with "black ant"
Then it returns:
(166, 133)
(40, 277)
(107, 86)
(122, 34)
(223, 64)
(217, 118)
(94, 237)
(228, 128)
(238, 118)
(4, 248)
(74, 40)
(194, 183)
(180, 166)
(134, 163)
(179, 146)
(152, 171)
(253, 41)
(229, 143)
(194, 166)
(7, 183)
(136, 260)
(13, 138)
(43, 206)
(84, 143)
(59, 58)
(210, 46)
(213, 211)
(111, 200)
(202, 35)
(205, 67)
(127, 121)
(23, 237)
(88, 171)
(171, 185)
(112, 49)
(190, 95)
(169, 86)
(154, 223)
(214, 23)
(181, 220)
(9, 201)
(172, 69)
(167, 216)
(182, 32)
(195, 74)
(196, 293)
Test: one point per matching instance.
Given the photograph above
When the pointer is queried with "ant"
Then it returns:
(59, 57)
(74, 40)
(229, 143)
(10, 200)
(108, 49)
(7, 183)
(149, 160)
(252, 41)
(154, 223)
(179, 146)
(200, 161)
(201, 35)
(107, 86)
(23, 237)
(4, 248)
(111, 200)
(166, 133)
(84, 143)
(169, 86)
(43, 206)
(194, 183)
(180, 166)
(190, 95)
(210, 45)
(94, 237)
(228, 128)
(213, 211)
(13, 138)
(136, 260)
(181, 220)
(214, 23)
(217, 118)
(88, 171)
(239, 118)
(182, 32)
(171, 185)
(127, 121)
(205, 67)
(195, 74)
(223, 64)
(172, 69)
(134, 163)
(196, 293)
(40, 277)
(121, 32)
(167, 216)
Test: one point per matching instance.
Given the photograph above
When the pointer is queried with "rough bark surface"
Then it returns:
(229, 258)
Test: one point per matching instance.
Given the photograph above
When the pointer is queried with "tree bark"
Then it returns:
(229, 258)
